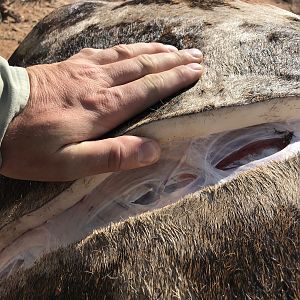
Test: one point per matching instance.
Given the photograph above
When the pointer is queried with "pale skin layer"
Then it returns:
(74, 102)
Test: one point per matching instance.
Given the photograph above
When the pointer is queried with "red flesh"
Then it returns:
(252, 148)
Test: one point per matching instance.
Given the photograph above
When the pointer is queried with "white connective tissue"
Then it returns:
(185, 167)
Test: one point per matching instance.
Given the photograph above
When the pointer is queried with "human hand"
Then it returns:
(72, 103)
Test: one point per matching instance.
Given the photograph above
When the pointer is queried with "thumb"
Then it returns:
(109, 155)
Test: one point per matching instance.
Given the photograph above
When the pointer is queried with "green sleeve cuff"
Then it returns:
(14, 94)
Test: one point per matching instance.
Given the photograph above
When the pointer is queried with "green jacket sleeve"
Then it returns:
(14, 93)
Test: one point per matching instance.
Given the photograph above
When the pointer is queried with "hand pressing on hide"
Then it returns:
(74, 102)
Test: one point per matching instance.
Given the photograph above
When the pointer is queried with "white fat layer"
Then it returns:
(185, 167)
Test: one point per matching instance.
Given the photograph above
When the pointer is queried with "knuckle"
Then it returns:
(87, 51)
(181, 72)
(123, 51)
(89, 70)
(109, 100)
(115, 94)
(181, 56)
(146, 62)
(83, 71)
(154, 82)
(185, 74)
(115, 157)
(158, 46)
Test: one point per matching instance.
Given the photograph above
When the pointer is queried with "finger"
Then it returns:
(132, 98)
(109, 155)
(122, 52)
(132, 69)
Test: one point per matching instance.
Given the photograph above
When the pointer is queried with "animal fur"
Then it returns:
(236, 240)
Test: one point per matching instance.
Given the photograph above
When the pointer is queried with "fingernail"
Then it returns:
(148, 153)
(194, 52)
(171, 48)
(195, 66)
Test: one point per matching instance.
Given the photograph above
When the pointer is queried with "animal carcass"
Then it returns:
(218, 215)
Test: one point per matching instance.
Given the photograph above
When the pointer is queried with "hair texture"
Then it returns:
(236, 240)
(239, 239)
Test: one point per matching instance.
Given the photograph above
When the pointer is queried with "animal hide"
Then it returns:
(232, 238)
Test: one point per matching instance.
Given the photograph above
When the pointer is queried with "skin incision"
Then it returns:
(185, 167)
(254, 151)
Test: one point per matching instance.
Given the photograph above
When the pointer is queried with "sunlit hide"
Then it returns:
(218, 215)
